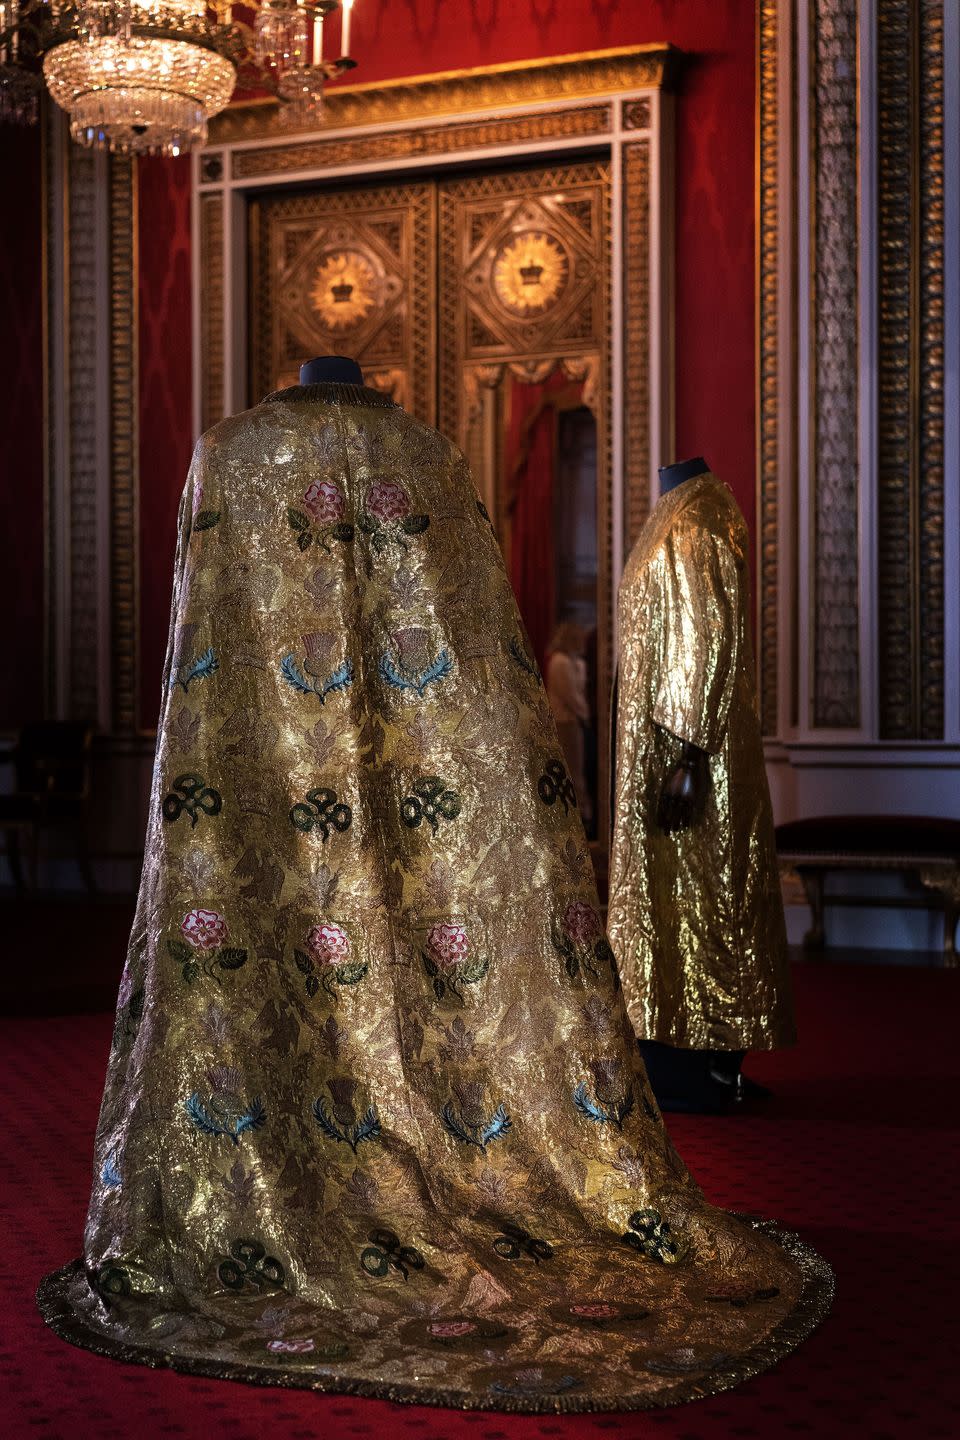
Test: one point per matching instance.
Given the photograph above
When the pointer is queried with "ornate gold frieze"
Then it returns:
(124, 456)
(490, 87)
(768, 414)
(212, 398)
(910, 368)
(636, 338)
(834, 368)
(585, 120)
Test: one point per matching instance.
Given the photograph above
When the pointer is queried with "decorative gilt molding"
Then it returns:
(83, 375)
(767, 361)
(584, 120)
(212, 398)
(560, 78)
(124, 445)
(910, 368)
(834, 362)
(930, 359)
(636, 114)
(897, 612)
(636, 339)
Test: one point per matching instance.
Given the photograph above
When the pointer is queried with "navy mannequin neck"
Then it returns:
(673, 475)
(327, 368)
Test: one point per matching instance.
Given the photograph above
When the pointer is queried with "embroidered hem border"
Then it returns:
(813, 1305)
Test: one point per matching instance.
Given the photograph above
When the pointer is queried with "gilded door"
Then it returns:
(346, 272)
(481, 304)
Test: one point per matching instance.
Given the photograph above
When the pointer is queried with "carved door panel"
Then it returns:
(348, 272)
(524, 334)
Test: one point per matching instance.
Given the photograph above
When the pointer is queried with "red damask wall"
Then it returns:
(166, 422)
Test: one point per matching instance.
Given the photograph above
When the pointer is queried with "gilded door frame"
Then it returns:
(613, 103)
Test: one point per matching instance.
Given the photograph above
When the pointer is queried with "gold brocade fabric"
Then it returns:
(695, 917)
(374, 1119)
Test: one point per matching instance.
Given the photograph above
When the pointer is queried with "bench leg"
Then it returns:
(946, 882)
(812, 881)
(951, 913)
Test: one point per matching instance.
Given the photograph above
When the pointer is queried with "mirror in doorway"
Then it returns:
(540, 467)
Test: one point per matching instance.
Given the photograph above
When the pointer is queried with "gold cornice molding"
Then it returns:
(454, 92)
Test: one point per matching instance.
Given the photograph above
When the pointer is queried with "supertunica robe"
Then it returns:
(695, 917)
(374, 1119)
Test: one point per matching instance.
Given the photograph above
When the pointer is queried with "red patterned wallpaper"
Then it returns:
(166, 423)
(21, 398)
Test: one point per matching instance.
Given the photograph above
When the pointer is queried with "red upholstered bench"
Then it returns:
(925, 848)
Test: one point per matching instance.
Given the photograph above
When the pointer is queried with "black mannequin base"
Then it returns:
(698, 1082)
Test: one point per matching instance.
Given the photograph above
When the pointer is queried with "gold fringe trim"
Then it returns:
(813, 1304)
(334, 392)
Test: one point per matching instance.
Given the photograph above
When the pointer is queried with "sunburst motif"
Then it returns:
(530, 272)
(344, 290)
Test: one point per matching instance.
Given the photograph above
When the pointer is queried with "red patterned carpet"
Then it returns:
(858, 1151)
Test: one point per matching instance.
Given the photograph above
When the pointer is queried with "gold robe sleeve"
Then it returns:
(699, 604)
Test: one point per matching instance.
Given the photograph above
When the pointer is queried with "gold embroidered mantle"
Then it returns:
(374, 1119)
(696, 917)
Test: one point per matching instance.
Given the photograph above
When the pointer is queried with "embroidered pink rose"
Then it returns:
(451, 1329)
(581, 923)
(329, 943)
(448, 944)
(290, 1347)
(197, 499)
(203, 929)
(386, 501)
(325, 503)
(596, 1310)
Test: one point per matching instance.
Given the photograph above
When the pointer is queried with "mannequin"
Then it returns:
(694, 899)
(330, 369)
(374, 1117)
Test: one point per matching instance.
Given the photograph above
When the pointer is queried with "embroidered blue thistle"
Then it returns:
(110, 1175)
(340, 679)
(438, 670)
(479, 1135)
(366, 1129)
(215, 1125)
(199, 670)
(589, 1107)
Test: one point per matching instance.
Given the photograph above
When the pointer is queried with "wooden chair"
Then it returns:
(51, 762)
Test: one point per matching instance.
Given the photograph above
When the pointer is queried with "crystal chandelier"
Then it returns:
(20, 86)
(289, 46)
(140, 76)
